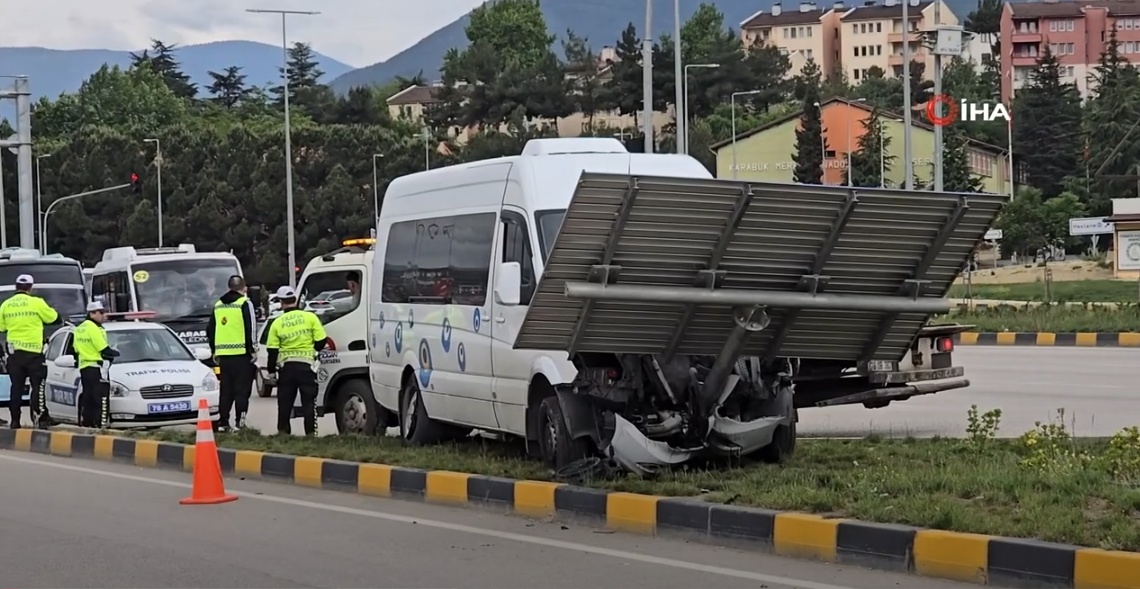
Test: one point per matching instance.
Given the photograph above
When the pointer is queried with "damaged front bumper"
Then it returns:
(636, 453)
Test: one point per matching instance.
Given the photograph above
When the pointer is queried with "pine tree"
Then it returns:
(304, 72)
(810, 142)
(228, 88)
(1109, 115)
(582, 67)
(921, 89)
(1047, 136)
(871, 161)
(623, 92)
(160, 57)
(956, 174)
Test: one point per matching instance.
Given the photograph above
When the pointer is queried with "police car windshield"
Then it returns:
(66, 301)
(147, 345)
(181, 289)
(549, 222)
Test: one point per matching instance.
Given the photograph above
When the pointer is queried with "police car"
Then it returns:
(156, 381)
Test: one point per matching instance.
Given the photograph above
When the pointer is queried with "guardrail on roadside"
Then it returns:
(984, 304)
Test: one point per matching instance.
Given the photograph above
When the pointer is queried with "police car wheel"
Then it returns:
(416, 428)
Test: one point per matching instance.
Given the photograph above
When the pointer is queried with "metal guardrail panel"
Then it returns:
(868, 241)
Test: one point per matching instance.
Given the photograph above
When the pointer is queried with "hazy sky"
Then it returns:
(357, 32)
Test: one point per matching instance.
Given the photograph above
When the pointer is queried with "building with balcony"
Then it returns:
(873, 36)
(808, 32)
(767, 153)
(1075, 31)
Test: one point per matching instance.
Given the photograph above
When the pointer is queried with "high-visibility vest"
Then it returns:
(293, 334)
(229, 328)
(89, 343)
(23, 317)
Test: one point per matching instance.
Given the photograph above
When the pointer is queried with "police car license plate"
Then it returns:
(168, 407)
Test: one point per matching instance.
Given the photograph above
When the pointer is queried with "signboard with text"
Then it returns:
(1089, 226)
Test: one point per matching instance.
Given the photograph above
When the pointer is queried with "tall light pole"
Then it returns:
(647, 77)
(288, 139)
(682, 134)
(732, 103)
(822, 147)
(158, 178)
(376, 187)
(938, 146)
(427, 148)
(40, 199)
(908, 163)
(683, 122)
(849, 178)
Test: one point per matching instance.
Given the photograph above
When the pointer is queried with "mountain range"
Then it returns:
(53, 71)
(600, 21)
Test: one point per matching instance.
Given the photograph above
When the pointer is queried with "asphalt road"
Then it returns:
(74, 523)
(1097, 388)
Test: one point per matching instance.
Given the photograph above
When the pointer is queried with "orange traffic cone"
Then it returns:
(208, 487)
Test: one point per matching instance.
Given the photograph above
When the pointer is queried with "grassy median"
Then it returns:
(1042, 485)
(1083, 291)
(1050, 318)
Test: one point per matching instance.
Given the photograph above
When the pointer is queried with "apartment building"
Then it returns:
(873, 36)
(1075, 31)
(808, 32)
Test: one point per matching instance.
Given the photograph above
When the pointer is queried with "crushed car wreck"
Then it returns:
(701, 314)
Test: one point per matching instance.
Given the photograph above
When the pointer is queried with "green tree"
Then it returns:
(1110, 114)
(1047, 137)
(305, 90)
(921, 89)
(137, 99)
(160, 58)
(228, 88)
(583, 69)
(985, 20)
(871, 160)
(810, 141)
(361, 106)
(961, 80)
(879, 90)
(623, 91)
(1029, 222)
(956, 173)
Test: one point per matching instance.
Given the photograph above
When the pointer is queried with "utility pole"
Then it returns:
(937, 92)
(290, 231)
(908, 158)
(681, 134)
(647, 77)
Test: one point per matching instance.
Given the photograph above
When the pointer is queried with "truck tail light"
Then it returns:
(944, 344)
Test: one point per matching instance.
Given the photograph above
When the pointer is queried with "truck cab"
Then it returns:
(335, 287)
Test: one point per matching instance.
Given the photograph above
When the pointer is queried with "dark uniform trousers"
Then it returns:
(294, 378)
(236, 385)
(96, 408)
(26, 368)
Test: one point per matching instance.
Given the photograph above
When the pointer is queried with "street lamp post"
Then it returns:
(732, 103)
(849, 178)
(376, 189)
(40, 200)
(427, 149)
(683, 121)
(288, 139)
(58, 201)
(158, 178)
(682, 138)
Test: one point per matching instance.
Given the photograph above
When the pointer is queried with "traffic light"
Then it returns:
(136, 184)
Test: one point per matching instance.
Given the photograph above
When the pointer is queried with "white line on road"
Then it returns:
(618, 554)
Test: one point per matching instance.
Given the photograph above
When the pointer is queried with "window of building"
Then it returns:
(855, 75)
(1071, 48)
(829, 154)
(807, 31)
(878, 27)
(793, 31)
(809, 54)
(878, 49)
(440, 261)
(855, 51)
(1071, 71)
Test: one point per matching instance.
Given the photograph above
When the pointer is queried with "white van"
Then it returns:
(441, 343)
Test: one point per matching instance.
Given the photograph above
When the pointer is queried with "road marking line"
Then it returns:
(619, 554)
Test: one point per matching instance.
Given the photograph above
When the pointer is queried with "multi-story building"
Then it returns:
(1075, 31)
(810, 32)
(873, 36)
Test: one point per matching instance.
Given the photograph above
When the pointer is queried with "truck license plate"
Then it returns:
(880, 366)
(175, 407)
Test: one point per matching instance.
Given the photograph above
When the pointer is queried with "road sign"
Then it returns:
(993, 235)
(1089, 226)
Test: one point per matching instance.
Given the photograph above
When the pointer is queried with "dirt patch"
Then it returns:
(1062, 272)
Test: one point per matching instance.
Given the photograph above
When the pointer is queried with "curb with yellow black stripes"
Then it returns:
(1009, 338)
(986, 560)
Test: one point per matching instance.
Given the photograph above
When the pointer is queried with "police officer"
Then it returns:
(230, 335)
(23, 318)
(295, 337)
(89, 346)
